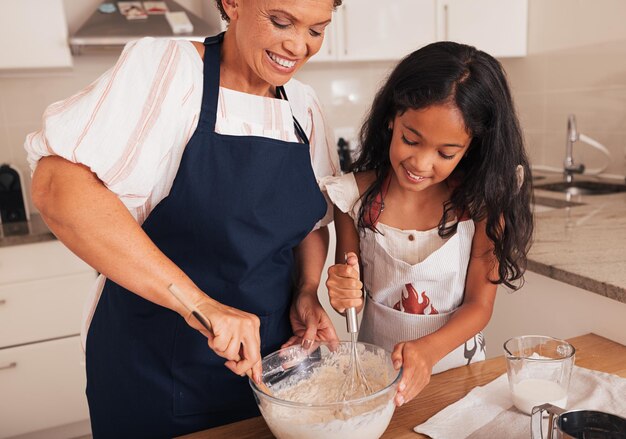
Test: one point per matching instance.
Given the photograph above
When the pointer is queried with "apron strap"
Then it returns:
(281, 94)
(378, 205)
(211, 86)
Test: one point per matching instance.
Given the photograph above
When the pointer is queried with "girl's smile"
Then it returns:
(413, 177)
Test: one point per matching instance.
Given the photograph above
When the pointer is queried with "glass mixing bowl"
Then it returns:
(307, 401)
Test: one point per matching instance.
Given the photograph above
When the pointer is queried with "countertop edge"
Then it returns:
(25, 232)
(576, 280)
(9, 241)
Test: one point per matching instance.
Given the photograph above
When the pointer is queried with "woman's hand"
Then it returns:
(234, 335)
(417, 365)
(309, 321)
(345, 289)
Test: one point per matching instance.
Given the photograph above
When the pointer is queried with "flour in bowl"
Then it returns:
(325, 415)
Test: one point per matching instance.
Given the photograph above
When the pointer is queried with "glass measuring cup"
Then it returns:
(539, 368)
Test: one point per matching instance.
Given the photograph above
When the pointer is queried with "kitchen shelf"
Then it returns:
(113, 30)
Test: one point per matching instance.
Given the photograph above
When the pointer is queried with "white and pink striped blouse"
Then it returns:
(131, 125)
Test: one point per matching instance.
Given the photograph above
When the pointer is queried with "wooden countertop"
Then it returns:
(592, 352)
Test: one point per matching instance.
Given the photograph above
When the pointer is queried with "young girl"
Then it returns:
(436, 213)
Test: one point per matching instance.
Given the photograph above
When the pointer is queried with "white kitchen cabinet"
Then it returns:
(42, 371)
(43, 386)
(34, 34)
(498, 27)
(371, 30)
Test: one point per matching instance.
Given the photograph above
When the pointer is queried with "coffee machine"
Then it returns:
(13, 205)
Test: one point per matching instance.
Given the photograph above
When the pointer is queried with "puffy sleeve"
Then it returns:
(131, 125)
(324, 156)
(343, 192)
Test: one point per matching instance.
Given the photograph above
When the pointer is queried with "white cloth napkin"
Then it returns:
(488, 410)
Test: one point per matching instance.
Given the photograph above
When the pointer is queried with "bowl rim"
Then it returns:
(297, 404)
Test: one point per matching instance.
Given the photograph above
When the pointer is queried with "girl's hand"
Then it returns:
(235, 335)
(309, 321)
(413, 357)
(345, 289)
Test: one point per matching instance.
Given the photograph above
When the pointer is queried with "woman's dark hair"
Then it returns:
(474, 82)
(220, 8)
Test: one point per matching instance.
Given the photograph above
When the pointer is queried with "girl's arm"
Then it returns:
(308, 318)
(345, 288)
(92, 221)
(419, 356)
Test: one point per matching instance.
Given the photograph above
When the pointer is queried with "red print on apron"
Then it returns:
(413, 302)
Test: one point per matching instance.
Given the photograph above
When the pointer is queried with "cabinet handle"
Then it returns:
(345, 30)
(11, 365)
(328, 41)
(445, 22)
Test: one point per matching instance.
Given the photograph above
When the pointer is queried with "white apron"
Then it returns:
(431, 291)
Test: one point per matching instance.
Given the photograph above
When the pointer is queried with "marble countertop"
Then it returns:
(29, 232)
(583, 244)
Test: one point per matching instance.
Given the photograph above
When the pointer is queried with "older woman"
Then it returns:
(186, 163)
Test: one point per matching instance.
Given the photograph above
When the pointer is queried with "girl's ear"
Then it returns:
(390, 126)
(231, 7)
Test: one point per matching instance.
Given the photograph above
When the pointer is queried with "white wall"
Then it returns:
(548, 307)
(576, 64)
(564, 24)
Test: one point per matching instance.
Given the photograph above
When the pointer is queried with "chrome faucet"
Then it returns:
(569, 168)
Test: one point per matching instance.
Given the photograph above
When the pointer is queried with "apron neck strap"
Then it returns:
(211, 88)
(378, 205)
(282, 94)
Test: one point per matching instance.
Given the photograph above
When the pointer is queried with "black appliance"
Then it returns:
(343, 149)
(12, 201)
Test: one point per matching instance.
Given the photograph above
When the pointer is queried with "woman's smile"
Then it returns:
(280, 63)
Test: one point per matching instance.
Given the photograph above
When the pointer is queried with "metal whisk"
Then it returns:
(355, 385)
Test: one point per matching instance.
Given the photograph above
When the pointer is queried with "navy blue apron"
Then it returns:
(238, 207)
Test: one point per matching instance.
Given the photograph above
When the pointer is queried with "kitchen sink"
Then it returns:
(544, 204)
(583, 187)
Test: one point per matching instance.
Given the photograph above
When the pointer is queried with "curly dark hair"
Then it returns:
(475, 82)
(218, 3)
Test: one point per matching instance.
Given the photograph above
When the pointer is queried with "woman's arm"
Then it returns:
(92, 221)
(308, 318)
(419, 356)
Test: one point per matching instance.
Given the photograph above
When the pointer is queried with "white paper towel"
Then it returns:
(488, 410)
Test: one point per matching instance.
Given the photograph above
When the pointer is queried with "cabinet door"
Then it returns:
(42, 260)
(498, 27)
(328, 51)
(42, 386)
(34, 34)
(387, 30)
(42, 309)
